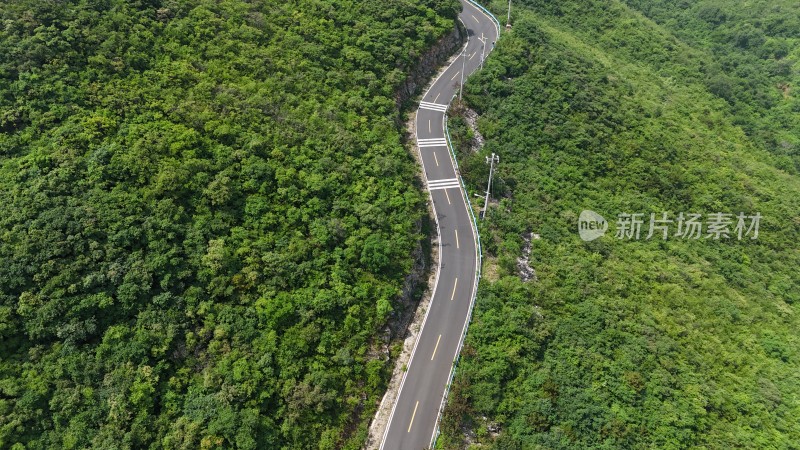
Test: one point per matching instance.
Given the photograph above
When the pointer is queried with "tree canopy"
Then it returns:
(208, 214)
(621, 343)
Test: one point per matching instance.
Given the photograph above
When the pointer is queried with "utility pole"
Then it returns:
(490, 161)
(463, 65)
(508, 20)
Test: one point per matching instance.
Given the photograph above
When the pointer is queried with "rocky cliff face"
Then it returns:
(430, 62)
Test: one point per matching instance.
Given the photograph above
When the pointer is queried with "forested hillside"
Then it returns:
(626, 343)
(750, 54)
(207, 216)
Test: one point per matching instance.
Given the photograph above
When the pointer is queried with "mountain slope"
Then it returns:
(208, 215)
(626, 343)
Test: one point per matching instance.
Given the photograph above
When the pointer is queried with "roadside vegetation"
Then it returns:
(207, 215)
(637, 107)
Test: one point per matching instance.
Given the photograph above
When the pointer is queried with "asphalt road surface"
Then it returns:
(414, 415)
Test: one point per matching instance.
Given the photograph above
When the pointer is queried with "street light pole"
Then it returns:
(490, 161)
(508, 20)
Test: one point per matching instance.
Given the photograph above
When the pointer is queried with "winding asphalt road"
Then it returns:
(412, 423)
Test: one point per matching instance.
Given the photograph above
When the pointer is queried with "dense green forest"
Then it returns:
(208, 213)
(639, 106)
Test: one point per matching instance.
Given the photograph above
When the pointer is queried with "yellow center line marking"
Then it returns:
(453, 295)
(454, 76)
(437, 347)
(448, 196)
(412, 417)
(436, 159)
(457, 246)
(437, 97)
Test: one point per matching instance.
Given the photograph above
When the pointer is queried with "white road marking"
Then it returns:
(412, 417)
(429, 125)
(434, 106)
(457, 246)
(436, 159)
(453, 295)
(437, 347)
(443, 184)
(476, 19)
(446, 186)
(443, 181)
(454, 76)
(437, 97)
(435, 142)
(448, 197)
(473, 55)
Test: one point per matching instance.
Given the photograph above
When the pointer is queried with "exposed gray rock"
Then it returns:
(526, 272)
(430, 62)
